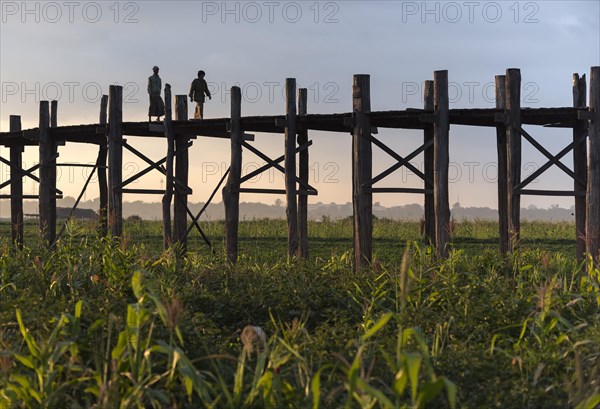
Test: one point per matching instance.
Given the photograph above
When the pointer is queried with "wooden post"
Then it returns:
(428, 155)
(181, 174)
(290, 166)
(303, 175)
(115, 159)
(47, 195)
(441, 131)
(53, 114)
(231, 194)
(168, 196)
(513, 139)
(101, 162)
(16, 187)
(503, 230)
(593, 182)
(580, 163)
(362, 198)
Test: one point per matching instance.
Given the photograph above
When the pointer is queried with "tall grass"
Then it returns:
(104, 324)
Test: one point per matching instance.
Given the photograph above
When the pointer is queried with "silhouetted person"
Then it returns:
(157, 106)
(198, 90)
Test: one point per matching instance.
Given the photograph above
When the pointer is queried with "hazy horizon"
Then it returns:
(316, 211)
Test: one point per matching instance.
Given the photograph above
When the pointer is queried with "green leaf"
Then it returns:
(25, 360)
(315, 388)
(380, 396)
(119, 349)
(238, 381)
(429, 391)
(523, 329)
(590, 403)
(136, 284)
(413, 365)
(33, 347)
(78, 309)
(400, 382)
(377, 326)
(354, 369)
(451, 392)
(160, 307)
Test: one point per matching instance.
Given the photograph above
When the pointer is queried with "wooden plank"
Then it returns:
(565, 117)
(441, 130)
(168, 196)
(362, 200)
(101, 162)
(47, 201)
(27, 196)
(259, 190)
(592, 231)
(341, 122)
(540, 192)
(143, 191)
(16, 187)
(231, 198)
(428, 159)
(53, 114)
(303, 173)
(290, 167)
(115, 160)
(76, 165)
(513, 139)
(501, 148)
(181, 175)
(580, 163)
(401, 190)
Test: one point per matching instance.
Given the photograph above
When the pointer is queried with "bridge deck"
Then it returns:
(340, 122)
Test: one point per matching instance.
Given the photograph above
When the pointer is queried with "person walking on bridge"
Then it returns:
(198, 90)
(157, 106)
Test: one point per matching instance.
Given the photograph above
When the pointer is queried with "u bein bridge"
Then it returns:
(434, 119)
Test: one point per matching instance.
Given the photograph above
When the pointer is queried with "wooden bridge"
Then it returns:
(434, 119)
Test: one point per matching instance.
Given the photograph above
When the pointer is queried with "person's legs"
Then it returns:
(197, 111)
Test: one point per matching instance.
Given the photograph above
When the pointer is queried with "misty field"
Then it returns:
(106, 324)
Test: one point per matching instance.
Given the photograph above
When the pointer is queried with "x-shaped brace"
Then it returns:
(552, 160)
(28, 172)
(401, 161)
(275, 163)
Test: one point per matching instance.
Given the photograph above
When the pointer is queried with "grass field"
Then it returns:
(102, 324)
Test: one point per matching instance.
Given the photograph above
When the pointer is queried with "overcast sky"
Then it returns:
(73, 50)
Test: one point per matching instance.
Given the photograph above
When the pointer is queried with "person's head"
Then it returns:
(201, 74)
(155, 69)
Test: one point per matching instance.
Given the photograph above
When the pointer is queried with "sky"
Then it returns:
(72, 51)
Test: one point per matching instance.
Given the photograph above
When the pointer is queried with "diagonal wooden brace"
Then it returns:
(28, 172)
(550, 157)
(401, 161)
(275, 164)
(269, 165)
(547, 165)
(154, 166)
